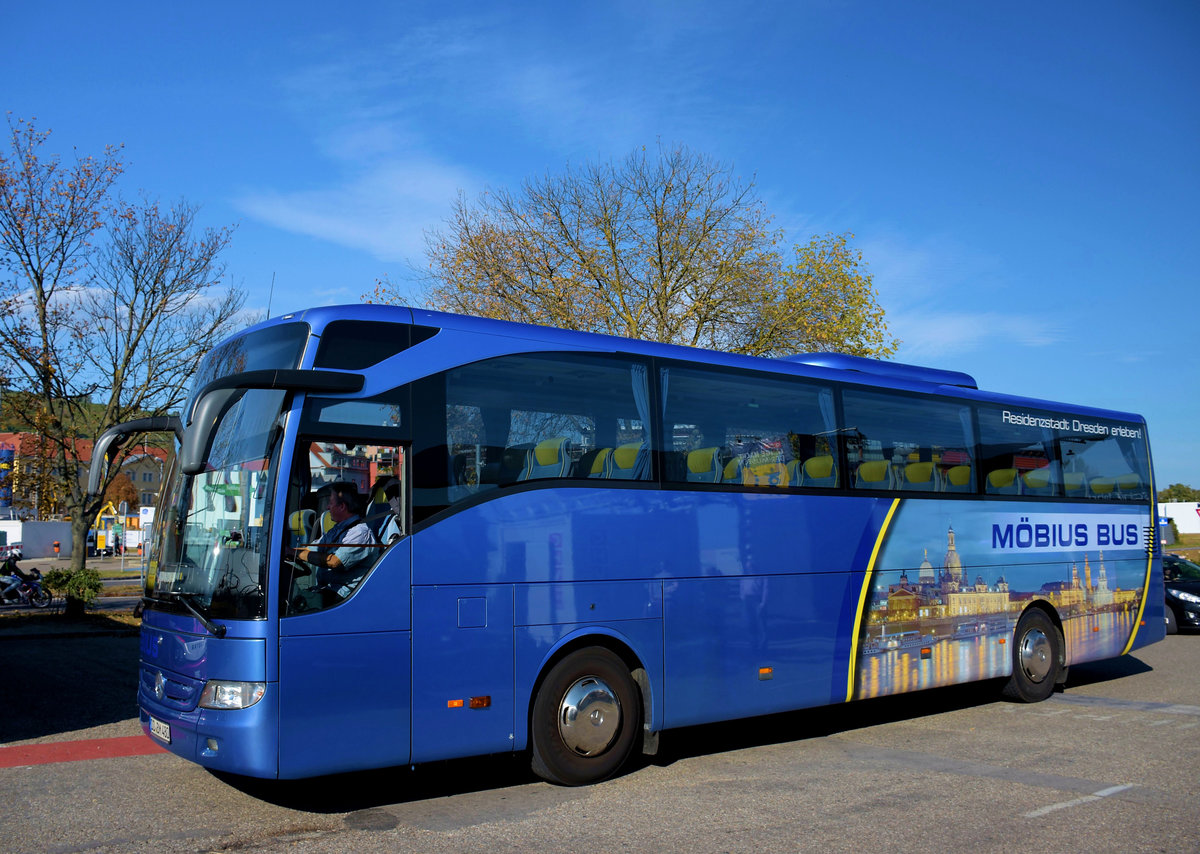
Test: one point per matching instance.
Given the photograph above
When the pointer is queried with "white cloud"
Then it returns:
(390, 120)
(384, 211)
(940, 300)
(935, 334)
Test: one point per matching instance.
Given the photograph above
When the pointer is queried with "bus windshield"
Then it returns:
(211, 547)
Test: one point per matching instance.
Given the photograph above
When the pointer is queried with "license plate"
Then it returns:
(160, 730)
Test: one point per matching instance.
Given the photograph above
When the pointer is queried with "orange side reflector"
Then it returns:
(765, 673)
(926, 652)
(1095, 628)
(480, 702)
(1003, 641)
(454, 704)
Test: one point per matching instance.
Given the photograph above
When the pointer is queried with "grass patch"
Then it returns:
(122, 590)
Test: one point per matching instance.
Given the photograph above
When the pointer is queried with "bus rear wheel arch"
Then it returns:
(586, 718)
(1037, 658)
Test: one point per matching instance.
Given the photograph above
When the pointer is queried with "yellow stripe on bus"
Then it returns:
(862, 598)
(1149, 565)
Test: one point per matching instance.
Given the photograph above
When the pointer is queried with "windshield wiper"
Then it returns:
(185, 599)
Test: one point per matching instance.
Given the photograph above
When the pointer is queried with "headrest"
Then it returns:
(626, 455)
(549, 451)
(701, 460)
(819, 466)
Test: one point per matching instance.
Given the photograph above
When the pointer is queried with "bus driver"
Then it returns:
(343, 553)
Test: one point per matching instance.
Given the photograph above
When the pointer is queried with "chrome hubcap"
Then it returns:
(1035, 655)
(589, 716)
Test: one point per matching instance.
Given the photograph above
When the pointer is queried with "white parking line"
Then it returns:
(1086, 799)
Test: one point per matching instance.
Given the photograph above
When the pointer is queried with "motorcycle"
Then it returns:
(30, 593)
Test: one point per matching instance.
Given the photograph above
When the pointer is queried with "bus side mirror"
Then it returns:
(110, 441)
(210, 409)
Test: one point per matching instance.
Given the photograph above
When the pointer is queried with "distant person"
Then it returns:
(11, 576)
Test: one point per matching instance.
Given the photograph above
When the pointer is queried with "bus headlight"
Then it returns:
(220, 694)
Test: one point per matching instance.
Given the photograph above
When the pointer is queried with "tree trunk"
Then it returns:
(80, 523)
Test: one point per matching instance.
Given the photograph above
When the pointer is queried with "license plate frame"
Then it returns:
(160, 730)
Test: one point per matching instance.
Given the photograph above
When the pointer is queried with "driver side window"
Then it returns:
(346, 505)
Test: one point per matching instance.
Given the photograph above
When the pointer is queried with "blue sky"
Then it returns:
(1022, 178)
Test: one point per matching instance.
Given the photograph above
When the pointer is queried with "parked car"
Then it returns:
(1182, 581)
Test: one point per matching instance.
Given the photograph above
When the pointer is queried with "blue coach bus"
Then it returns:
(578, 541)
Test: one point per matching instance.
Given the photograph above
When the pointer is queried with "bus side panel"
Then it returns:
(462, 650)
(344, 702)
(751, 645)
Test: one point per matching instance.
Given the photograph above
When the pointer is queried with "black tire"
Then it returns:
(41, 599)
(1036, 658)
(586, 718)
(1172, 621)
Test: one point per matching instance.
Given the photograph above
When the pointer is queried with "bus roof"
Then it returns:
(838, 367)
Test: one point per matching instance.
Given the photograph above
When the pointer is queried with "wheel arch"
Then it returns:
(1050, 611)
(620, 646)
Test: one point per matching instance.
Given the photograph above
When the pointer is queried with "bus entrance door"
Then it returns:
(345, 676)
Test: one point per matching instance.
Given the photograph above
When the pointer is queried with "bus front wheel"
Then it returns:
(586, 718)
(1037, 657)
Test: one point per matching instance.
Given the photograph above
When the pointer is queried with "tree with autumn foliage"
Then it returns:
(106, 306)
(121, 489)
(667, 245)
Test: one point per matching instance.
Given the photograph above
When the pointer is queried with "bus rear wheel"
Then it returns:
(1037, 657)
(586, 718)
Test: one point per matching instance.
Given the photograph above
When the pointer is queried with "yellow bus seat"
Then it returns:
(819, 471)
(874, 474)
(548, 458)
(958, 479)
(1003, 482)
(624, 460)
(703, 466)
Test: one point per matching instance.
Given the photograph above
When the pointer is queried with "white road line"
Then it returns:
(1086, 799)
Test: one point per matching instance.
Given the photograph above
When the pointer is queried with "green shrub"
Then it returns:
(80, 587)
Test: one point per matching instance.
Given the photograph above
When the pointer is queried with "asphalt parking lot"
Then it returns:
(1107, 765)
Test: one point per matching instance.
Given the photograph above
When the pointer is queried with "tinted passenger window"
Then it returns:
(527, 418)
(1056, 454)
(908, 443)
(748, 430)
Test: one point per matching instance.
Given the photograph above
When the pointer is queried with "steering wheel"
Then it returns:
(298, 566)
